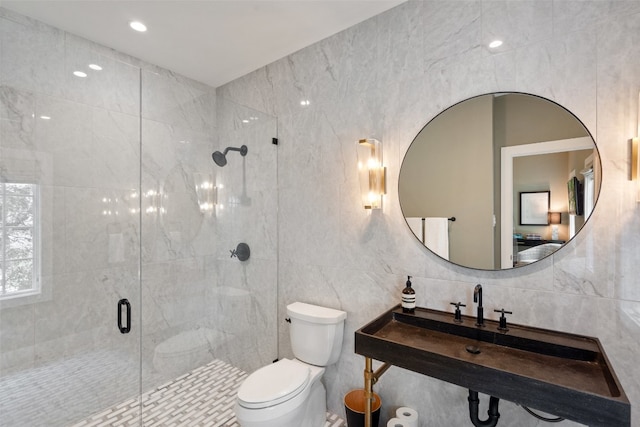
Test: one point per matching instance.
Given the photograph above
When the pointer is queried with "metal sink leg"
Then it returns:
(370, 378)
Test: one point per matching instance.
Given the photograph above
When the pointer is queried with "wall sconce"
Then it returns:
(371, 172)
(555, 218)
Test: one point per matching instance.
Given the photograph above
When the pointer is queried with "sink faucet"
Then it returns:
(477, 297)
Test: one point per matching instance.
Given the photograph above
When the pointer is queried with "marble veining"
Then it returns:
(579, 54)
(298, 204)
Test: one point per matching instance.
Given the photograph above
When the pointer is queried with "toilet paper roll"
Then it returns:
(408, 415)
(397, 422)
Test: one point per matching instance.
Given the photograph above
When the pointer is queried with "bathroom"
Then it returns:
(120, 146)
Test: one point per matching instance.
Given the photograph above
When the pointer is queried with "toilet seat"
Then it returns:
(274, 384)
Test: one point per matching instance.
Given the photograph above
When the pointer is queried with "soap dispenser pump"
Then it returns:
(408, 298)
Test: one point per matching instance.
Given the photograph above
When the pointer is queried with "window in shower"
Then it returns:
(19, 240)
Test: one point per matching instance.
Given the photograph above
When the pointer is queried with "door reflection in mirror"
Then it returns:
(456, 166)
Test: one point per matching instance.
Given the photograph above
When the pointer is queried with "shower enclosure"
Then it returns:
(109, 199)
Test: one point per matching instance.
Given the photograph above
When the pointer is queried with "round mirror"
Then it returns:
(499, 181)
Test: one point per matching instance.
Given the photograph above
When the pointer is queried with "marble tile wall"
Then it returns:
(386, 78)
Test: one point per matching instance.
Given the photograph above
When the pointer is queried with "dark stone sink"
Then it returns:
(558, 373)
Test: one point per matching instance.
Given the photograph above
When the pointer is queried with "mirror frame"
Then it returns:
(597, 189)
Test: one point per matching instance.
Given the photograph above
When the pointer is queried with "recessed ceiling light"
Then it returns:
(305, 102)
(138, 26)
(45, 117)
(496, 43)
(95, 67)
(79, 74)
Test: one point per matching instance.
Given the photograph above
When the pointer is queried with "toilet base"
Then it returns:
(312, 412)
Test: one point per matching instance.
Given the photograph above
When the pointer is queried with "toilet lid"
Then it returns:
(273, 384)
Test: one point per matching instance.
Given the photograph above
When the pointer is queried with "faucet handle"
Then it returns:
(503, 320)
(458, 315)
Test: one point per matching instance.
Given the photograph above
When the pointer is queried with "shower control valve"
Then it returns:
(242, 252)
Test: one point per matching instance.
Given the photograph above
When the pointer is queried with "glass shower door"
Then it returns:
(208, 316)
(70, 218)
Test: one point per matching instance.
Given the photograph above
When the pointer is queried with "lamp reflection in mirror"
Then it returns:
(206, 192)
(635, 158)
(371, 172)
(554, 220)
(153, 200)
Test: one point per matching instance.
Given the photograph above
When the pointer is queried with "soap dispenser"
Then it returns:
(408, 298)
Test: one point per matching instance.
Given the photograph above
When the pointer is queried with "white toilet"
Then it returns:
(289, 393)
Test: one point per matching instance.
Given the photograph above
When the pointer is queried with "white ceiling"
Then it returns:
(212, 41)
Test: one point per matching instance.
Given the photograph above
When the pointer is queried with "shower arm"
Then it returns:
(243, 150)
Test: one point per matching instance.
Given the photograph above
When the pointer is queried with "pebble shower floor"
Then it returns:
(203, 397)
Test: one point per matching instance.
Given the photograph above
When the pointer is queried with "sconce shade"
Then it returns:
(555, 217)
(371, 172)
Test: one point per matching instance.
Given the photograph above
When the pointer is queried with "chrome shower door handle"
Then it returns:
(126, 328)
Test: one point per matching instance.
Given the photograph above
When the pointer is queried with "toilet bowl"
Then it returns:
(282, 394)
(289, 392)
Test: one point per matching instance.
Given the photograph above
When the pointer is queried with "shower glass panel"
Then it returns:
(70, 218)
(243, 302)
(201, 305)
(178, 133)
(108, 194)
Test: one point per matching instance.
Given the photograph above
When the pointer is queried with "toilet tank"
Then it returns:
(316, 333)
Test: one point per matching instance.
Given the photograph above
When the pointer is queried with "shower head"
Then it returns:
(220, 159)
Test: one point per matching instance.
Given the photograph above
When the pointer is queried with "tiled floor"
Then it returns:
(58, 393)
(203, 397)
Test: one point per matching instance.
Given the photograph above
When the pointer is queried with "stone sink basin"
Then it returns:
(558, 373)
